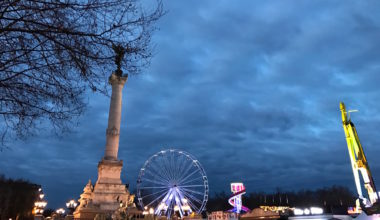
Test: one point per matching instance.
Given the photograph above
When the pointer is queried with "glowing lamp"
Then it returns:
(60, 211)
(71, 204)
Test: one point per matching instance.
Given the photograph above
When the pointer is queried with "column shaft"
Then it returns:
(114, 117)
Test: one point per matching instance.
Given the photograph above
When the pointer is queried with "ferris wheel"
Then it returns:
(172, 182)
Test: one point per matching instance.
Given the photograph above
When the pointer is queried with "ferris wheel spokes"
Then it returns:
(164, 169)
(192, 180)
(156, 199)
(174, 196)
(153, 187)
(192, 203)
(190, 186)
(172, 182)
(186, 171)
(156, 175)
(155, 181)
(187, 193)
(162, 191)
(192, 191)
(188, 176)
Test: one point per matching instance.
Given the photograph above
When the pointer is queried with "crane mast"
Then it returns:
(358, 160)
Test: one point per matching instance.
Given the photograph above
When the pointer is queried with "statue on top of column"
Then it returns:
(119, 54)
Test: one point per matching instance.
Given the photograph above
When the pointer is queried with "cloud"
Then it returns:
(251, 89)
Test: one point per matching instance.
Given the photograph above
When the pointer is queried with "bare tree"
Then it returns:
(51, 51)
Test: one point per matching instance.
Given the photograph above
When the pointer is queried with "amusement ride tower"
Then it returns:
(238, 189)
(359, 166)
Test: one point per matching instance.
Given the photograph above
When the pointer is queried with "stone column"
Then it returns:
(114, 117)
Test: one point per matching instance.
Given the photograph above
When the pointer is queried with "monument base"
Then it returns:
(108, 194)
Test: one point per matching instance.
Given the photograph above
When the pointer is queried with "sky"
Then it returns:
(250, 88)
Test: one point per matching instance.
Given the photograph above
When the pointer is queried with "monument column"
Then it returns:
(109, 193)
(114, 118)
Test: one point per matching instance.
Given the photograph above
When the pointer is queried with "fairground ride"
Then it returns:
(172, 183)
(359, 165)
(235, 200)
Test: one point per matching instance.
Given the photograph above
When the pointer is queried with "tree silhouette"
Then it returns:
(52, 51)
(17, 198)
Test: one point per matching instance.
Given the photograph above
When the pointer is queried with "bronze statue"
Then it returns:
(119, 54)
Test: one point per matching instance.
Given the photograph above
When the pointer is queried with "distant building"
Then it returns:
(277, 209)
(220, 215)
(259, 213)
(192, 216)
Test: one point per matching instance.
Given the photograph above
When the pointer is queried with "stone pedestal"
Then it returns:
(38, 217)
(108, 194)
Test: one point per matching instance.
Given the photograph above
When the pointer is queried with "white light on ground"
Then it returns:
(298, 211)
(306, 211)
(316, 211)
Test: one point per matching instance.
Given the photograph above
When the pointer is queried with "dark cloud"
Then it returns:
(250, 89)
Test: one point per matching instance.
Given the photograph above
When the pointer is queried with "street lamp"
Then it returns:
(149, 212)
(60, 212)
(145, 212)
(39, 205)
(71, 205)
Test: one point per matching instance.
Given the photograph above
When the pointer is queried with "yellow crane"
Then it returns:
(358, 161)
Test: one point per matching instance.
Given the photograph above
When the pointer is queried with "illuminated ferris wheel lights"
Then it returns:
(173, 182)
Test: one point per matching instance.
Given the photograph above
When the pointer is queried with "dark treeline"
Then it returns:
(334, 196)
(17, 198)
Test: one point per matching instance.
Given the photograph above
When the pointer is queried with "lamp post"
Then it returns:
(39, 205)
(145, 212)
(151, 213)
(60, 212)
(71, 205)
(148, 213)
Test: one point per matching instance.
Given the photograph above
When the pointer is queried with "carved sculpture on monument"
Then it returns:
(109, 193)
